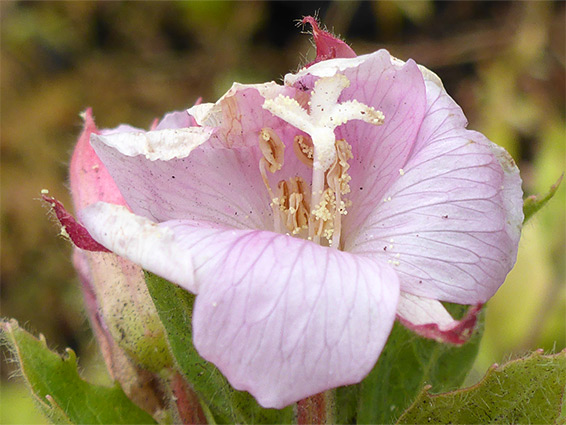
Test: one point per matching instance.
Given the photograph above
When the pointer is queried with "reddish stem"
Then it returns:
(312, 410)
(188, 404)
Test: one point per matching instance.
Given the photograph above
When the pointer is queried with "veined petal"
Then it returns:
(380, 151)
(216, 185)
(451, 222)
(150, 245)
(326, 68)
(281, 317)
(218, 180)
(284, 318)
(430, 319)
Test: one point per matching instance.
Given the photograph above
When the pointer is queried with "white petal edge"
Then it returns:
(141, 241)
(210, 113)
(326, 68)
(159, 144)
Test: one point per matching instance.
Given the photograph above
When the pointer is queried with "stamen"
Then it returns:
(273, 151)
(302, 145)
(293, 205)
(339, 208)
(337, 176)
(327, 157)
(284, 195)
(323, 213)
(338, 180)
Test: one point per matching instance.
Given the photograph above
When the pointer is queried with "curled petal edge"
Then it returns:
(428, 318)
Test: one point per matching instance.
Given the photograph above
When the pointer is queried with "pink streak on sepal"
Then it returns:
(154, 124)
(459, 333)
(327, 45)
(89, 178)
(77, 233)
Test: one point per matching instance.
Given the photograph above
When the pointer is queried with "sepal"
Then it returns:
(71, 228)
(61, 394)
(327, 45)
(534, 203)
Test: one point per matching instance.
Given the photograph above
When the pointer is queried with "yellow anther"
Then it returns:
(293, 204)
(304, 149)
(273, 151)
(272, 148)
(324, 214)
(284, 195)
(337, 176)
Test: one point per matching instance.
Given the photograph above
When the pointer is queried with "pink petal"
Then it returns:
(430, 319)
(216, 185)
(281, 317)
(176, 119)
(327, 45)
(379, 152)
(451, 222)
(217, 181)
(239, 115)
(284, 318)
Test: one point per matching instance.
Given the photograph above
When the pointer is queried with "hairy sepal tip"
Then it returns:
(71, 228)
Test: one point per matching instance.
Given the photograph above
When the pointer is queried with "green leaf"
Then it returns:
(175, 306)
(409, 362)
(58, 389)
(528, 390)
(534, 203)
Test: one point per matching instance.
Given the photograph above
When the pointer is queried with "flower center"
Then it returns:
(327, 157)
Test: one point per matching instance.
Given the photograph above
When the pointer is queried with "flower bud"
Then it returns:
(125, 321)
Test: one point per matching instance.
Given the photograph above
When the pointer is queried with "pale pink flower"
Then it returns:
(308, 216)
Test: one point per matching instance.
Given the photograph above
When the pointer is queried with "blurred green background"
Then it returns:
(503, 62)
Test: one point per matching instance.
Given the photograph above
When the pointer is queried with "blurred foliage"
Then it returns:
(503, 62)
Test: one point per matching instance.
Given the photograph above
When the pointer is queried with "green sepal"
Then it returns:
(534, 203)
(529, 390)
(407, 363)
(175, 307)
(58, 390)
